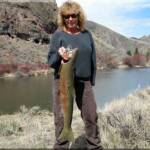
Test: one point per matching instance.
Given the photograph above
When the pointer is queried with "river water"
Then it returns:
(119, 83)
(37, 91)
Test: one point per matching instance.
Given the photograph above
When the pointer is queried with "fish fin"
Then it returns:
(67, 135)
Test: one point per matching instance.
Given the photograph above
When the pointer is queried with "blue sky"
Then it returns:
(127, 17)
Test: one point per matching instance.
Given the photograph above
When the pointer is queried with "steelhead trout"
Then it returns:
(67, 96)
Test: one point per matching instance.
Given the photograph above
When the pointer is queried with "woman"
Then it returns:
(72, 33)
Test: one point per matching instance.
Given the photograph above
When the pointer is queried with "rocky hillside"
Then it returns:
(145, 38)
(28, 20)
(16, 50)
(25, 28)
(115, 43)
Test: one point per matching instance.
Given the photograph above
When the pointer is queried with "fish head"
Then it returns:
(73, 54)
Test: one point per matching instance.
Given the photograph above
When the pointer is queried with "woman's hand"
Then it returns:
(63, 53)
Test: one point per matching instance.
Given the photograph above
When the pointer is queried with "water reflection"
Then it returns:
(26, 91)
(37, 91)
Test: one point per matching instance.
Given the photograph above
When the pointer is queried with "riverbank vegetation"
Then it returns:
(124, 123)
(137, 59)
(23, 70)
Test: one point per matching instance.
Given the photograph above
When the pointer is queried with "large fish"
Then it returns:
(67, 96)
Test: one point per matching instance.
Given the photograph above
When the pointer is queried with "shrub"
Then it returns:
(136, 59)
(136, 51)
(148, 56)
(106, 60)
(128, 61)
(129, 53)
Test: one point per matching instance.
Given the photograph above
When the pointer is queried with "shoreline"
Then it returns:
(136, 66)
(123, 124)
(20, 74)
(35, 73)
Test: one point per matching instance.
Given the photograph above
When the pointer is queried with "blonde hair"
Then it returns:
(74, 7)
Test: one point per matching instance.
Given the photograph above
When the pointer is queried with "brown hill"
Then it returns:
(115, 43)
(145, 38)
(28, 20)
(25, 24)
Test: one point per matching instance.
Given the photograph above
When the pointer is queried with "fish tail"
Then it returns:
(67, 135)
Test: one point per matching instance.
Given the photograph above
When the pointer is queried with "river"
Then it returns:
(119, 83)
(37, 91)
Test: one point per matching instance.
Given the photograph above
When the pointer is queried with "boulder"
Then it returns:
(28, 20)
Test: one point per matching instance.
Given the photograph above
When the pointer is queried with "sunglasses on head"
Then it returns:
(71, 15)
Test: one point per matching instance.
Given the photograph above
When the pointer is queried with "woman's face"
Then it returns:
(71, 20)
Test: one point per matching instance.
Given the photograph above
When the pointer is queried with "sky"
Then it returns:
(130, 18)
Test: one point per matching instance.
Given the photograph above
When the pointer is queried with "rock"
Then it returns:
(28, 20)
(9, 75)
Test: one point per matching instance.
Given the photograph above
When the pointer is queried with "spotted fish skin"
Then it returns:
(67, 96)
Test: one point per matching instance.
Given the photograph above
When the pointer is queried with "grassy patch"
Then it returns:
(126, 123)
(8, 128)
(123, 123)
